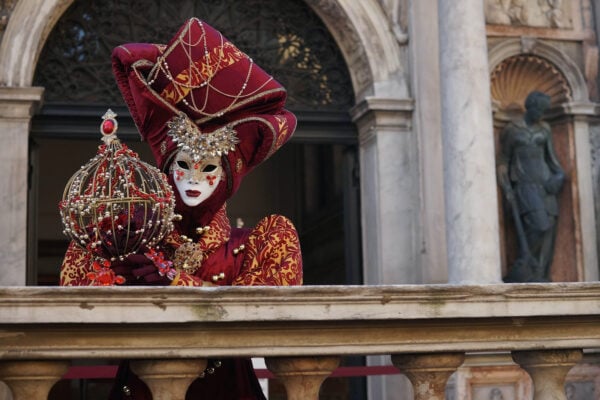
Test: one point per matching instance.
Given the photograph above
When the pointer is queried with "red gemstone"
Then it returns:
(108, 126)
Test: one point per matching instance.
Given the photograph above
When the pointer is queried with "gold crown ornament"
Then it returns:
(116, 205)
(198, 144)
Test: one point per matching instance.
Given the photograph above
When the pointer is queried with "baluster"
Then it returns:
(302, 376)
(548, 370)
(32, 380)
(428, 373)
(168, 379)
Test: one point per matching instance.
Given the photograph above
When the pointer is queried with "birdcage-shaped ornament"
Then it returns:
(116, 205)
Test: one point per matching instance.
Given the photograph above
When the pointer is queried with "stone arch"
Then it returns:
(30, 24)
(513, 47)
(375, 65)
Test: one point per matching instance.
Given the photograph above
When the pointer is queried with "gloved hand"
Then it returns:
(137, 269)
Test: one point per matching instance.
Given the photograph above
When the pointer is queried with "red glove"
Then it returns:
(137, 269)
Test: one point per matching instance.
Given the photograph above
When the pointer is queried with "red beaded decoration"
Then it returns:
(102, 275)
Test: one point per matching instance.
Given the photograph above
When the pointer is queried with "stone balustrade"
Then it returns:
(301, 331)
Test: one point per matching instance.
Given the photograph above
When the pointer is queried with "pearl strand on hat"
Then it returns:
(163, 66)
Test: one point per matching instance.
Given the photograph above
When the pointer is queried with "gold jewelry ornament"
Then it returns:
(201, 145)
(188, 258)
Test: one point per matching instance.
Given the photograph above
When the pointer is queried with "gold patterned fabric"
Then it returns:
(269, 255)
(272, 256)
(75, 267)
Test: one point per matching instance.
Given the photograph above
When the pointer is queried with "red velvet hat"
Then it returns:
(202, 93)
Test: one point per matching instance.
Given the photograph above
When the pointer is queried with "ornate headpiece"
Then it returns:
(116, 205)
(206, 76)
(201, 145)
(194, 91)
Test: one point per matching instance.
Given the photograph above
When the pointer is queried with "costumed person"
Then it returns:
(531, 178)
(210, 115)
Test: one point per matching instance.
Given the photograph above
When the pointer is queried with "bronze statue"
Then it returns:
(531, 178)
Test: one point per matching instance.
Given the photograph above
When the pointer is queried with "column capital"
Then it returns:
(376, 113)
(19, 102)
(382, 105)
(581, 109)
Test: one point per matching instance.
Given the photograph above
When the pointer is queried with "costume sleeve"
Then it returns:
(75, 267)
(272, 255)
(183, 279)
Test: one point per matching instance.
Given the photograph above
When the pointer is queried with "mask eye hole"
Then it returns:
(209, 168)
(183, 165)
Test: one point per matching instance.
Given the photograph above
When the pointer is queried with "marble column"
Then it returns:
(472, 232)
(425, 81)
(390, 206)
(16, 108)
(389, 191)
(581, 115)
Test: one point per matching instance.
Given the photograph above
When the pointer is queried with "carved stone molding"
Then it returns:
(338, 22)
(396, 11)
(6, 7)
(517, 76)
(564, 64)
(534, 13)
(19, 103)
(30, 23)
(491, 377)
(374, 114)
(371, 48)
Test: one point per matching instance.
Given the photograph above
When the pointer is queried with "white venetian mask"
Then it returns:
(195, 181)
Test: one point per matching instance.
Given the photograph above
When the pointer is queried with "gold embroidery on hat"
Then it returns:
(200, 72)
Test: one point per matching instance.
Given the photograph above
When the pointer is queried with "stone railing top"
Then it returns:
(307, 303)
(141, 322)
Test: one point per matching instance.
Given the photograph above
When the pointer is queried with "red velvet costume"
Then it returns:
(206, 77)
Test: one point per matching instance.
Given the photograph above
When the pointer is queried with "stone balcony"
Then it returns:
(301, 331)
